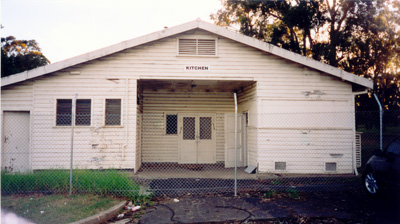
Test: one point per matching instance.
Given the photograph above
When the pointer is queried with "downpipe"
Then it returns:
(380, 123)
(234, 96)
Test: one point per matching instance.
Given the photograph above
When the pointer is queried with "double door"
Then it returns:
(197, 137)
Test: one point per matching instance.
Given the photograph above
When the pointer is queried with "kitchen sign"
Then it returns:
(197, 68)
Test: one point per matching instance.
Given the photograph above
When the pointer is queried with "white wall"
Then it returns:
(280, 88)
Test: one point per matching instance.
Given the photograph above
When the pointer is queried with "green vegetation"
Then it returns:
(98, 182)
(57, 208)
(292, 193)
(269, 194)
(20, 55)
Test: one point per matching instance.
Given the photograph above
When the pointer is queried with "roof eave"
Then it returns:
(286, 54)
(180, 29)
(47, 69)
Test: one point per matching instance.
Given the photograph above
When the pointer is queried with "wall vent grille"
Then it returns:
(281, 166)
(200, 47)
(330, 167)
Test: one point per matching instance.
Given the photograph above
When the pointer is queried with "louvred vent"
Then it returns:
(205, 47)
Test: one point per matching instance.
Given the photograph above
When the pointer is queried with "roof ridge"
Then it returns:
(198, 23)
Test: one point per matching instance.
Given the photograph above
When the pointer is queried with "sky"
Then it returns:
(68, 28)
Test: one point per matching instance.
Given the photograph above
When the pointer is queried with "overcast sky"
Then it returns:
(67, 28)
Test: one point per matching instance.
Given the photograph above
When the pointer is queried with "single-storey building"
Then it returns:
(168, 97)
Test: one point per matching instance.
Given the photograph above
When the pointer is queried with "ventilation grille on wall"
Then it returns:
(281, 166)
(330, 167)
(358, 149)
(205, 47)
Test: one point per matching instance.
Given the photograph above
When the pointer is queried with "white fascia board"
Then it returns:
(297, 58)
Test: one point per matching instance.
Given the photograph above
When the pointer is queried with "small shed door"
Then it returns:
(197, 138)
(15, 155)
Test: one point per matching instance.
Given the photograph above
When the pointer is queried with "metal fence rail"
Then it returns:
(188, 153)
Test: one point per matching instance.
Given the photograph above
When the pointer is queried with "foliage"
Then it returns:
(292, 193)
(106, 182)
(319, 29)
(359, 36)
(20, 55)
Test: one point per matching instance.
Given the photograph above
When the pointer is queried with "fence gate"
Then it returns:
(15, 155)
(230, 141)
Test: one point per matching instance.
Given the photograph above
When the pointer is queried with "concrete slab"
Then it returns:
(213, 209)
(317, 207)
(210, 171)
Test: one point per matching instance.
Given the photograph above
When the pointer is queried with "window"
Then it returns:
(205, 47)
(113, 112)
(205, 128)
(64, 112)
(171, 124)
(82, 112)
(189, 125)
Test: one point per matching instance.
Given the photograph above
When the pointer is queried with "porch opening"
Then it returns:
(192, 121)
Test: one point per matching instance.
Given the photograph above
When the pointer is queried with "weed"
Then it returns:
(269, 194)
(276, 182)
(292, 193)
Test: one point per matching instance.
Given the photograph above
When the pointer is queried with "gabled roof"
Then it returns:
(280, 52)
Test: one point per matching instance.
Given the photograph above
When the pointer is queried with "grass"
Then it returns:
(56, 208)
(97, 182)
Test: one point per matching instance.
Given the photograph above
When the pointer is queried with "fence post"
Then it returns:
(72, 142)
(235, 144)
(380, 122)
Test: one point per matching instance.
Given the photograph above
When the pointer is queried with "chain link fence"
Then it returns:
(174, 153)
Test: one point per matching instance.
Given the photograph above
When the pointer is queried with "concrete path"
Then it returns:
(347, 207)
(213, 209)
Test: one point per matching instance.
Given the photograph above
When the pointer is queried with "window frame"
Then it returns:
(121, 112)
(76, 103)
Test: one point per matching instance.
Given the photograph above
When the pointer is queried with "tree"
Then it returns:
(377, 54)
(20, 55)
(359, 36)
(281, 23)
(323, 30)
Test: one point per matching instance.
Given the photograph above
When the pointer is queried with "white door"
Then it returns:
(197, 138)
(15, 155)
(230, 141)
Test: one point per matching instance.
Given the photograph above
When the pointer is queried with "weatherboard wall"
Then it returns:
(161, 147)
(280, 87)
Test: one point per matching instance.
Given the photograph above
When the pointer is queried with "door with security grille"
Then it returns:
(197, 138)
